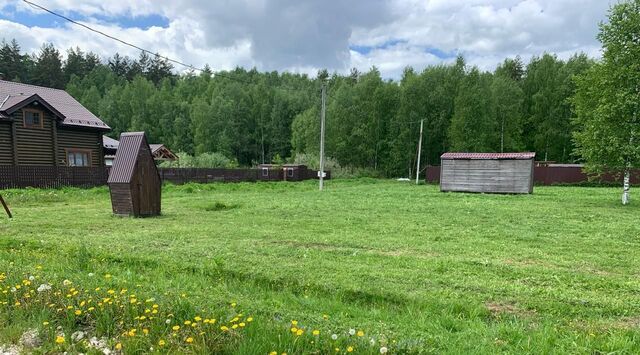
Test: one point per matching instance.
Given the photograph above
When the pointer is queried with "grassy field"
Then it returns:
(413, 269)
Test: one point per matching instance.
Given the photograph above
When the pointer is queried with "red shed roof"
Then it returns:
(489, 156)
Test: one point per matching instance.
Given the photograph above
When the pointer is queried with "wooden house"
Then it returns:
(41, 126)
(160, 151)
(487, 172)
(134, 181)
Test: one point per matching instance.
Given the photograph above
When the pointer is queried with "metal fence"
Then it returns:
(558, 174)
(59, 176)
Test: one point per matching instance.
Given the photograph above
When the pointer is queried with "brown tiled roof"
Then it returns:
(74, 114)
(109, 142)
(488, 156)
(127, 155)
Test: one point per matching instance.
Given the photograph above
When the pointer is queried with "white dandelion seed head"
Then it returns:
(66, 282)
(168, 321)
(31, 278)
(44, 287)
(383, 350)
(334, 336)
(352, 331)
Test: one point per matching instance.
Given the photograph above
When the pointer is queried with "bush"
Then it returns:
(205, 160)
(331, 164)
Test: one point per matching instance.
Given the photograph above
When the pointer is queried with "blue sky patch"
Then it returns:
(365, 50)
(46, 20)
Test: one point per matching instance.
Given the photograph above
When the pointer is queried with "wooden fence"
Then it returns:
(12, 177)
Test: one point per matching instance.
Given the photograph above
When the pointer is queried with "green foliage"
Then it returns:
(204, 160)
(607, 99)
(372, 124)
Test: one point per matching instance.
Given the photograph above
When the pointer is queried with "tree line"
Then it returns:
(372, 123)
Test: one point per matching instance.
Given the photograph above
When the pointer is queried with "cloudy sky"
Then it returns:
(304, 35)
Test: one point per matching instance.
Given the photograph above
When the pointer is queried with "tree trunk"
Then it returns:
(626, 186)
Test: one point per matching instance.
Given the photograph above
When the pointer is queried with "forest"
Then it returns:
(373, 124)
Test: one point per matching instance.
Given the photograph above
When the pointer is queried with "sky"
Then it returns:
(307, 35)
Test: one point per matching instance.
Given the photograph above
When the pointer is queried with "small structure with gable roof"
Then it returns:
(510, 173)
(134, 182)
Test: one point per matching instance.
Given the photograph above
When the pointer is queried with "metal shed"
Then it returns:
(134, 181)
(487, 172)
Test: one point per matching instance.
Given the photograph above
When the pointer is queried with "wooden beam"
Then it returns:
(6, 208)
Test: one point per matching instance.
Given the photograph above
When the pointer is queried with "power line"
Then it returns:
(143, 49)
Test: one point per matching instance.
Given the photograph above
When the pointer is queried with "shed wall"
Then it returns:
(492, 176)
(121, 199)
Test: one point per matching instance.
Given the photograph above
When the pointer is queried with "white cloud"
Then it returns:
(302, 36)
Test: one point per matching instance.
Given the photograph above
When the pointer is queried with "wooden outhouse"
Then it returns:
(134, 181)
(487, 172)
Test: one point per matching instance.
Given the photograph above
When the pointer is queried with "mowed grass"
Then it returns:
(416, 269)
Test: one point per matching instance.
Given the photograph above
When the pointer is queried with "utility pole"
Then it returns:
(419, 151)
(322, 117)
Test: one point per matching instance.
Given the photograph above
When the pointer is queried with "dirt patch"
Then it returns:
(31, 339)
(498, 309)
(628, 323)
(9, 350)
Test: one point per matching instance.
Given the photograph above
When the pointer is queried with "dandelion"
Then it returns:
(325, 316)
(334, 336)
(145, 331)
(299, 332)
(316, 332)
(187, 322)
(107, 276)
(273, 353)
(294, 322)
(168, 321)
(383, 350)
(294, 329)
(233, 304)
(189, 340)
(234, 326)
(242, 324)
(66, 282)
(59, 339)
(250, 319)
(352, 331)
(161, 342)
(77, 312)
(176, 328)
(31, 278)
(350, 349)
(43, 288)
(45, 323)
(119, 346)
(197, 318)
(224, 328)
(360, 333)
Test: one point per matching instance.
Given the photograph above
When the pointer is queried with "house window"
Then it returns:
(32, 119)
(78, 158)
(265, 172)
(289, 172)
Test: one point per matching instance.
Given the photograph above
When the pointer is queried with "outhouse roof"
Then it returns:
(124, 164)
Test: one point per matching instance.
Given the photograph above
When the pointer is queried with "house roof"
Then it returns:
(127, 157)
(109, 142)
(489, 156)
(70, 111)
(159, 151)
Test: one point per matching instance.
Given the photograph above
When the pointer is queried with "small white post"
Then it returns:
(419, 151)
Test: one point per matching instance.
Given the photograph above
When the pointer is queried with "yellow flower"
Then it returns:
(111, 292)
(119, 346)
(234, 326)
(242, 324)
(224, 328)
(233, 304)
(176, 327)
(91, 309)
(187, 322)
(294, 322)
(294, 329)
(197, 318)
(273, 353)
(45, 323)
(337, 350)
(360, 333)
(325, 316)
(299, 332)
(132, 332)
(161, 342)
(59, 339)
(155, 306)
(107, 276)
(189, 340)
(350, 349)
(250, 319)
(145, 331)
(316, 332)
(78, 312)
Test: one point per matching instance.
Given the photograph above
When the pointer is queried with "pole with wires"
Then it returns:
(419, 151)
(322, 118)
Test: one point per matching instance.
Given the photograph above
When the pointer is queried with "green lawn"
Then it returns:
(415, 269)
